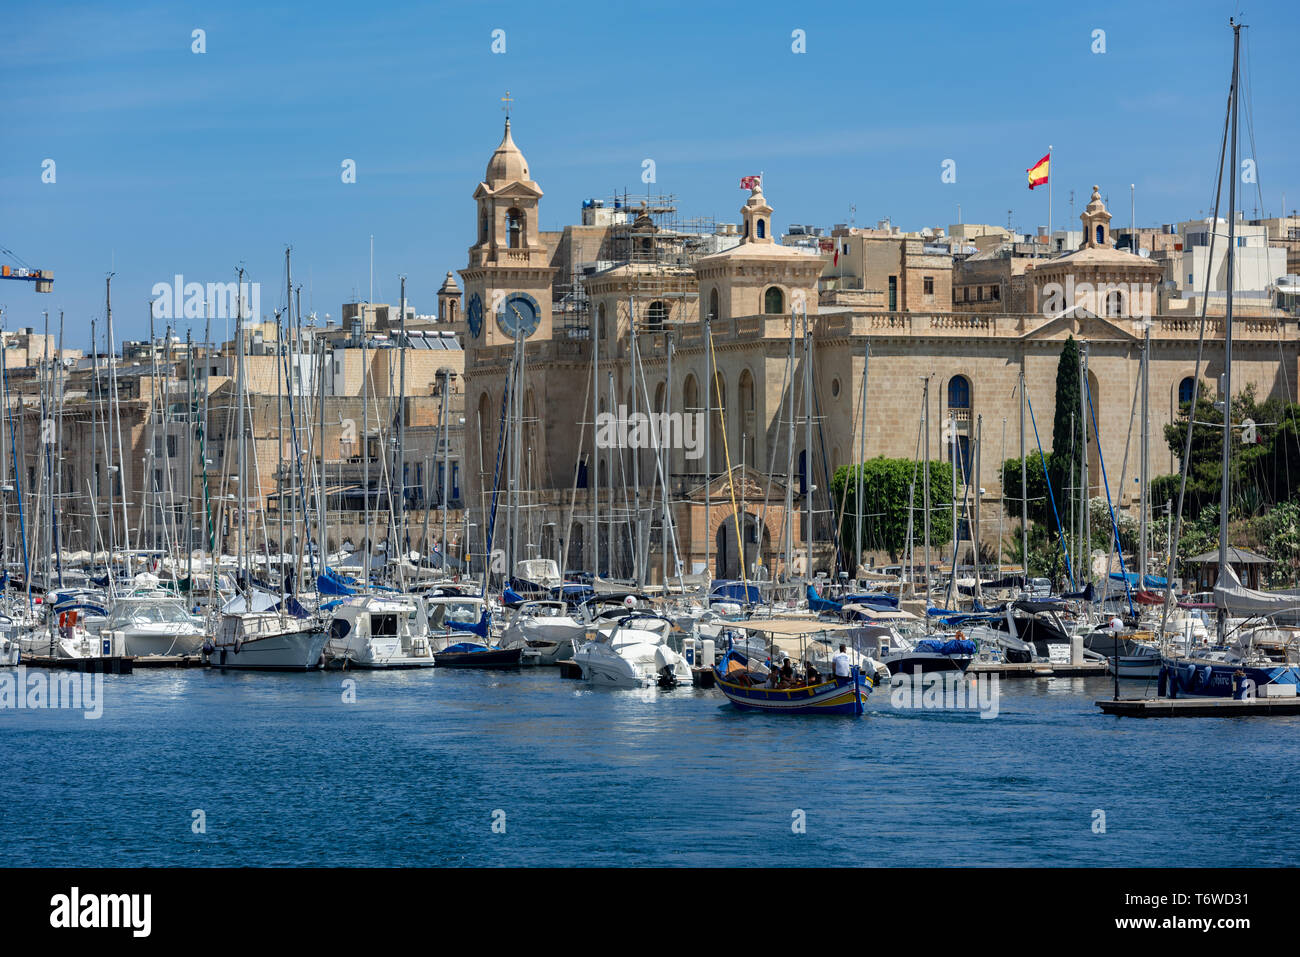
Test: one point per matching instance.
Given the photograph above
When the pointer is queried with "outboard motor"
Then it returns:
(667, 679)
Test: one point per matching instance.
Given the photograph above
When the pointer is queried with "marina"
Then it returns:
(680, 468)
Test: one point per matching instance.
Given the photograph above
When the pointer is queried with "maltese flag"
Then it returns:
(750, 182)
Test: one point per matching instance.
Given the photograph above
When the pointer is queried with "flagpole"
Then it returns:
(1049, 202)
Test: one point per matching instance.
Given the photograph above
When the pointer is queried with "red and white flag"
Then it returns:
(750, 182)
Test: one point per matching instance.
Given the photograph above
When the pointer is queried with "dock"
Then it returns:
(94, 666)
(1200, 707)
(1036, 669)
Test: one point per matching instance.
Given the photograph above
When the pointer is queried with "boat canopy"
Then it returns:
(1235, 598)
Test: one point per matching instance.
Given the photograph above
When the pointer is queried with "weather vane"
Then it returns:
(507, 101)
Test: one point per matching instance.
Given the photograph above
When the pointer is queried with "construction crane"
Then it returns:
(44, 278)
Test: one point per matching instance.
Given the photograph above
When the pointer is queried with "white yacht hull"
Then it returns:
(290, 647)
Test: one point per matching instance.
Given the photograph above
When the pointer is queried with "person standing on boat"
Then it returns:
(840, 664)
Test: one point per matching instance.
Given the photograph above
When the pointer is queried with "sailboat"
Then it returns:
(1237, 668)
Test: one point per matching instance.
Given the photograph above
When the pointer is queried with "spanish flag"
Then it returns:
(1038, 172)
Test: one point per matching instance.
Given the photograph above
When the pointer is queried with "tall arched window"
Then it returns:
(959, 392)
(1101, 235)
(514, 228)
(774, 301)
(485, 428)
(713, 303)
(1186, 391)
(600, 321)
(1114, 303)
(482, 224)
(656, 315)
(762, 229)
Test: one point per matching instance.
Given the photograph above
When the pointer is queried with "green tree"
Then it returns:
(1039, 509)
(1261, 470)
(886, 484)
(1067, 447)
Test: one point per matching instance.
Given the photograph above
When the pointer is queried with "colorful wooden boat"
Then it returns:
(834, 696)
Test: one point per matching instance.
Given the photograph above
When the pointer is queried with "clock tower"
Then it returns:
(508, 280)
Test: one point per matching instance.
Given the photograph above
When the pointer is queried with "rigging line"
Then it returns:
(1185, 465)
(1123, 476)
(1092, 412)
(1051, 496)
(731, 483)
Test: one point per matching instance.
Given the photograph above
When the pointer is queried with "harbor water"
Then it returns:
(202, 768)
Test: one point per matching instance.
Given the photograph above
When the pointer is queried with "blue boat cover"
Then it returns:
(819, 604)
(511, 598)
(331, 582)
(952, 646)
(873, 600)
(737, 591)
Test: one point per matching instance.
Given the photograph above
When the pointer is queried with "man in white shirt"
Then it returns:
(840, 664)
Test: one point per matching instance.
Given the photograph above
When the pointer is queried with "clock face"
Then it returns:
(518, 314)
(475, 315)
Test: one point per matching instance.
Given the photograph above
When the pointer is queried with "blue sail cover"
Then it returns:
(1086, 594)
(511, 598)
(819, 604)
(332, 583)
(734, 590)
(877, 600)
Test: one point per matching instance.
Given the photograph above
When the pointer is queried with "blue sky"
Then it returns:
(172, 162)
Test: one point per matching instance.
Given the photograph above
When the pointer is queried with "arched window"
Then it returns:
(514, 228)
(959, 392)
(762, 229)
(1186, 391)
(600, 321)
(485, 428)
(482, 225)
(713, 303)
(1114, 304)
(1101, 235)
(773, 301)
(691, 395)
(656, 315)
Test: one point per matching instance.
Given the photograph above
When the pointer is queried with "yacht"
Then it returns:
(266, 641)
(155, 624)
(379, 631)
(545, 632)
(632, 652)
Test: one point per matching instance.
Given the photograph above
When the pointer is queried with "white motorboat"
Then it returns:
(632, 652)
(267, 641)
(153, 624)
(379, 631)
(545, 632)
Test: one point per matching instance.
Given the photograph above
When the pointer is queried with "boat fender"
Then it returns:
(208, 647)
(239, 643)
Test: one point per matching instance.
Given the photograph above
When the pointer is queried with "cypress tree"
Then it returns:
(1066, 427)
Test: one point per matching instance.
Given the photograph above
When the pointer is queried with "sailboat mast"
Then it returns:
(808, 444)
(1024, 489)
(1144, 493)
(1224, 491)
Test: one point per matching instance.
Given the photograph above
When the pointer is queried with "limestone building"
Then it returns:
(716, 333)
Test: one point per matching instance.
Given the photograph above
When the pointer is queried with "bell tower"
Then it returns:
(1096, 223)
(508, 280)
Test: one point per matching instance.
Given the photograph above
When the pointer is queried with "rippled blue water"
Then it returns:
(288, 774)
